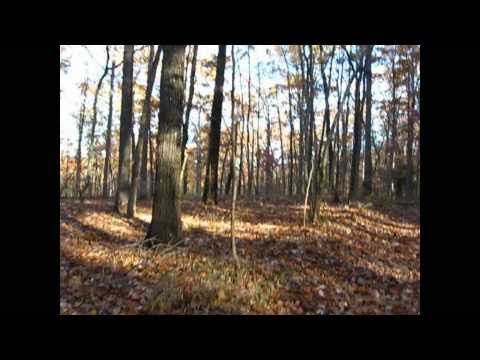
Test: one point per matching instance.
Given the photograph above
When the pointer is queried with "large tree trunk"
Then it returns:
(210, 191)
(125, 150)
(143, 131)
(166, 223)
(108, 140)
(187, 113)
(367, 185)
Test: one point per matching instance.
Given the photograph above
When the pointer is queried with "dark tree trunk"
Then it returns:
(368, 122)
(187, 113)
(357, 136)
(125, 150)
(152, 164)
(411, 107)
(166, 223)
(143, 131)
(144, 189)
(211, 177)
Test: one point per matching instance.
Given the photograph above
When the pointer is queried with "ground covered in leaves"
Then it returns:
(355, 260)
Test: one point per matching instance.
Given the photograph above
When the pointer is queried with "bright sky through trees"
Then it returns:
(88, 62)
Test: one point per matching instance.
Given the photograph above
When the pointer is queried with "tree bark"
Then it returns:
(143, 131)
(393, 137)
(292, 129)
(125, 150)
(367, 185)
(411, 107)
(90, 169)
(81, 123)
(108, 140)
(166, 223)
(357, 135)
(210, 191)
(187, 113)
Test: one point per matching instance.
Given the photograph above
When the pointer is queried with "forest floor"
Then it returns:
(354, 261)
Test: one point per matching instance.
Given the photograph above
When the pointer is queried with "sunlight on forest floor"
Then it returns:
(353, 261)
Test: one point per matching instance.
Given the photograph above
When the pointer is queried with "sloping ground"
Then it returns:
(354, 261)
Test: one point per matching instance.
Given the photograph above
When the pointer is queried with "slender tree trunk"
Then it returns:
(223, 168)
(91, 146)
(81, 123)
(187, 113)
(232, 118)
(357, 137)
(368, 122)
(292, 130)
(268, 156)
(143, 131)
(211, 177)
(281, 149)
(166, 223)
(125, 150)
(234, 194)
(393, 137)
(198, 164)
(411, 107)
(257, 175)
(108, 140)
(249, 161)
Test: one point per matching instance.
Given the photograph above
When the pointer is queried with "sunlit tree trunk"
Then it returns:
(166, 222)
(90, 168)
(108, 139)
(143, 131)
(81, 123)
(368, 122)
(125, 148)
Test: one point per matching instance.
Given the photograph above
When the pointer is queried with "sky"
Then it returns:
(90, 63)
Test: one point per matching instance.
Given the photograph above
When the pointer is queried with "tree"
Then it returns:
(187, 114)
(143, 132)
(81, 123)
(108, 136)
(393, 120)
(367, 185)
(94, 119)
(166, 223)
(357, 123)
(211, 177)
(125, 147)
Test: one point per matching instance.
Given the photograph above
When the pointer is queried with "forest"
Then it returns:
(239, 179)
